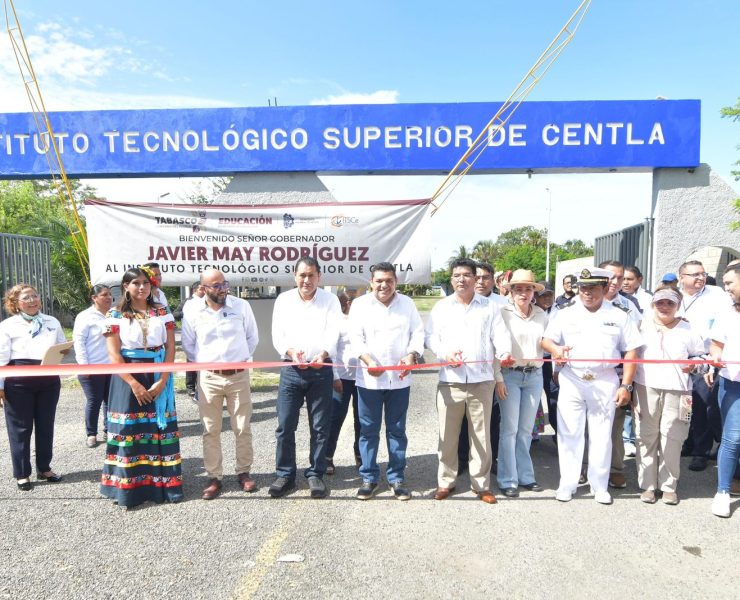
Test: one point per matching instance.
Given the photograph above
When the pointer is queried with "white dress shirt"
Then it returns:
(702, 309)
(16, 341)
(476, 329)
(387, 334)
(159, 297)
(228, 334)
(87, 335)
(631, 307)
(607, 333)
(309, 326)
(726, 330)
(644, 297)
(346, 360)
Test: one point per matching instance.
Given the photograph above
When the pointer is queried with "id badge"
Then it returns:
(684, 408)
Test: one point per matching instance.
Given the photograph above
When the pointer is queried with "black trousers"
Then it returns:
(706, 421)
(30, 407)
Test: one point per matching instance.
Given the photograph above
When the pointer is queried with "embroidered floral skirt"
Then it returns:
(142, 462)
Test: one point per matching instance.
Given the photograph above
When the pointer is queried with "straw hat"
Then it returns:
(524, 277)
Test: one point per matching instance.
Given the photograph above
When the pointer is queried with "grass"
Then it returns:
(425, 303)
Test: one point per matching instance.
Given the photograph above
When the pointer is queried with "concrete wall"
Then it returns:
(692, 210)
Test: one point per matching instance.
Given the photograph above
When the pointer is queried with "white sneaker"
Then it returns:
(603, 497)
(721, 504)
(563, 495)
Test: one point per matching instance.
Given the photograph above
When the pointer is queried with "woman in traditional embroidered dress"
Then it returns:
(142, 460)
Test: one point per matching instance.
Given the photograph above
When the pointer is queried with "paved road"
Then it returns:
(65, 541)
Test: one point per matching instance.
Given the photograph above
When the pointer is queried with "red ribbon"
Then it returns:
(105, 369)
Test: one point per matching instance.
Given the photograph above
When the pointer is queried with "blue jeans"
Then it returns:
(518, 413)
(340, 407)
(314, 386)
(729, 449)
(95, 388)
(371, 404)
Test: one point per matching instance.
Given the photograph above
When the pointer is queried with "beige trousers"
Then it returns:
(659, 434)
(216, 389)
(474, 401)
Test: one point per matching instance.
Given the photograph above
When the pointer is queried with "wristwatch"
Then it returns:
(627, 386)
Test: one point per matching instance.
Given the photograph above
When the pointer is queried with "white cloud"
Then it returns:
(71, 65)
(379, 97)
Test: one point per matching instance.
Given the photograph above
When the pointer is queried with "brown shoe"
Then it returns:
(617, 480)
(212, 490)
(487, 497)
(443, 493)
(247, 483)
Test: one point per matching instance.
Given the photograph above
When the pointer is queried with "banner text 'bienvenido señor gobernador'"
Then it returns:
(259, 245)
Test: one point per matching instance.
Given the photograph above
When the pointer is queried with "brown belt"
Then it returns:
(228, 371)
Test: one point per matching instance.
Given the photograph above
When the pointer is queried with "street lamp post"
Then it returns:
(549, 223)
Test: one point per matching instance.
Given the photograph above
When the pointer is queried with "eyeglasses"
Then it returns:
(218, 286)
(696, 275)
(30, 298)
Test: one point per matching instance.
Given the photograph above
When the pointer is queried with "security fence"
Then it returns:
(25, 259)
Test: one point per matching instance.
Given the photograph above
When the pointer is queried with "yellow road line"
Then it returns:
(267, 554)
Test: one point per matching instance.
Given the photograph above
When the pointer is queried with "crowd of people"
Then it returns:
(609, 357)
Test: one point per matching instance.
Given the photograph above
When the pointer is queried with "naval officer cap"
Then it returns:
(594, 276)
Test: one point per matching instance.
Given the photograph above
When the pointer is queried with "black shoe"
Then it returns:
(52, 478)
(511, 492)
(25, 486)
(317, 487)
(698, 463)
(400, 491)
(532, 487)
(281, 486)
(330, 468)
(367, 490)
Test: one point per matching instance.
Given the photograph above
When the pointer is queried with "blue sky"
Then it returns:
(91, 55)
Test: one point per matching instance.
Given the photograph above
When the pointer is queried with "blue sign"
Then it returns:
(625, 135)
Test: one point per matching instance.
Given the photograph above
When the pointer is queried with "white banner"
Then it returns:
(259, 245)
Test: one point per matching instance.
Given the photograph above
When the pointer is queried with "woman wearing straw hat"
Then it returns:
(519, 387)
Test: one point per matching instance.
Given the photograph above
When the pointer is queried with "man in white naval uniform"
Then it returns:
(590, 327)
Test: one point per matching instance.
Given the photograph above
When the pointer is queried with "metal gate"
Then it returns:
(25, 259)
(630, 246)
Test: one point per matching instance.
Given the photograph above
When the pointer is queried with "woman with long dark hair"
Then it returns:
(30, 402)
(142, 459)
(91, 349)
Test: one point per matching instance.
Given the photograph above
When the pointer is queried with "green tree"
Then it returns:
(33, 208)
(484, 251)
(733, 113)
(461, 252)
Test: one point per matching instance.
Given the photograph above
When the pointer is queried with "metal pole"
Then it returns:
(549, 222)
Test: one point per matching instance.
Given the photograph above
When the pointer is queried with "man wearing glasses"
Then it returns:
(700, 306)
(222, 328)
(466, 330)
